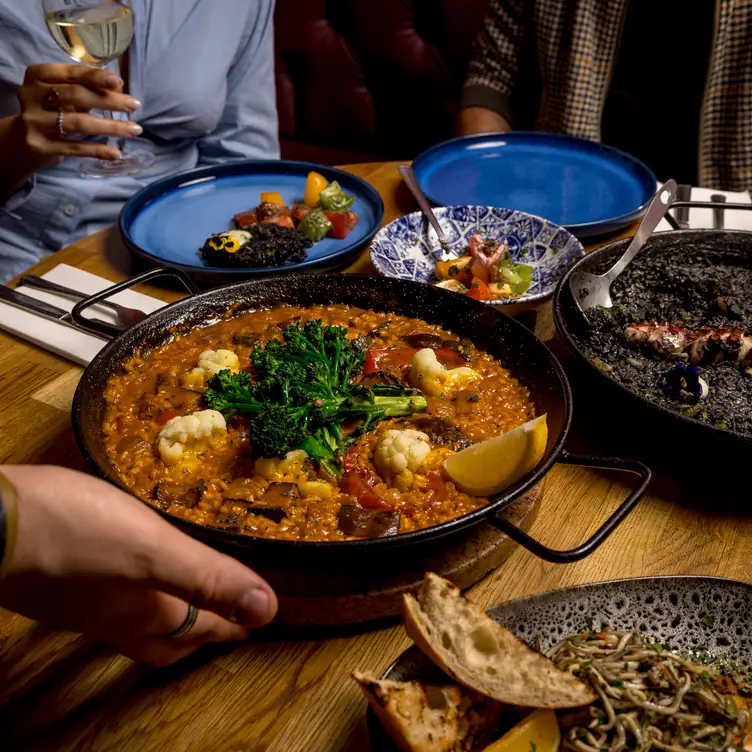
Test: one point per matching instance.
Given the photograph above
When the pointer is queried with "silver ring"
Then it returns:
(60, 128)
(188, 623)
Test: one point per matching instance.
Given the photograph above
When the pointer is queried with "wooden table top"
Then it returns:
(292, 691)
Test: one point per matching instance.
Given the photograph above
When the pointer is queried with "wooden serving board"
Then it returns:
(372, 589)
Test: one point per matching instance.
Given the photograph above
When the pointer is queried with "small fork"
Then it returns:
(127, 317)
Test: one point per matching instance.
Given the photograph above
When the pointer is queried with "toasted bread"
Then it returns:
(460, 638)
(430, 718)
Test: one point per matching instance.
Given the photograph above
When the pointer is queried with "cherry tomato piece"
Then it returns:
(479, 290)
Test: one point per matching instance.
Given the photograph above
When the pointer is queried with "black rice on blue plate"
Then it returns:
(679, 333)
(256, 247)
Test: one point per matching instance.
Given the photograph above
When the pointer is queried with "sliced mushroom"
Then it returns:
(427, 339)
(441, 432)
(186, 496)
(424, 339)
(275, 514)
(250, 339)
(356, 522)
(279, 493)
(132, 444)
(380, 378)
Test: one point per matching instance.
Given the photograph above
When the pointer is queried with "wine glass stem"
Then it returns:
(112, 141)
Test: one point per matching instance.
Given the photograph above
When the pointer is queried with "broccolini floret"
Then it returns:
(304, 393)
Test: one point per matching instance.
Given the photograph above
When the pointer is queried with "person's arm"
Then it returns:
(493, 70)
(81, 555)
(249, 127)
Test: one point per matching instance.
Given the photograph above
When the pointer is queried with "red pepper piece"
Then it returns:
(165, 416)
(437, 486)
(355, 484)
(479, 290)
(342, 223)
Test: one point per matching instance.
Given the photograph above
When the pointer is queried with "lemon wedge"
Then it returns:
(538, 732)
(491, 466)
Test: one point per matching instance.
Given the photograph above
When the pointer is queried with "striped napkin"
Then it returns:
(78, 346)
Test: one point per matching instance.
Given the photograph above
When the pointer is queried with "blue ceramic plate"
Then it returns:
(168, 221)
(584, 186)
(408, 247)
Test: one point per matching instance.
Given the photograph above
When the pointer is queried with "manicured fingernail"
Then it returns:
(253, 608)
(133, 103)
(114, 81)
(116, 154)
(135, 129)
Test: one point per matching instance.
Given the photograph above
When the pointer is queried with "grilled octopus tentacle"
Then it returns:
(700, 346)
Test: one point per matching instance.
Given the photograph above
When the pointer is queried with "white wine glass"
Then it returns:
(94, 33)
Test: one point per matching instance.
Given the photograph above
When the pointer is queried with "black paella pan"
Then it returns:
(666, 423)
(516, 347)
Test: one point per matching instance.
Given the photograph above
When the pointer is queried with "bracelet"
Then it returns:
(8, 522)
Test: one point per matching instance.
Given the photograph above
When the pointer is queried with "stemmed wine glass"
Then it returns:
(94, 33)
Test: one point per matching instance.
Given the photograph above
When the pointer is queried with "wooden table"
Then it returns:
(290, 692)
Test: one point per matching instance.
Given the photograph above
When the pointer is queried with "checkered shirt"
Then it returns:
(576, 44)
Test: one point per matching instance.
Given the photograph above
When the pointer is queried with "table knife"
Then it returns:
(40, 308)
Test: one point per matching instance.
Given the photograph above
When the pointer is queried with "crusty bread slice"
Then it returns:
(466, 643)
(429, 718)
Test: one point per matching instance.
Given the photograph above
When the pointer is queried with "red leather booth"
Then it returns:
(365, 80)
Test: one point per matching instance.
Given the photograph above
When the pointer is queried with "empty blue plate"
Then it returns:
(169, 221)
(584, 186)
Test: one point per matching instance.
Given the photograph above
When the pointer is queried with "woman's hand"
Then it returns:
(90, 558)
(75, 90)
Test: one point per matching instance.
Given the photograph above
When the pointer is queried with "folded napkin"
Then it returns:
(703, 218)
(70, 343)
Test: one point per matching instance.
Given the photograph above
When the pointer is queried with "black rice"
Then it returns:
(269, 245)
(690, 289)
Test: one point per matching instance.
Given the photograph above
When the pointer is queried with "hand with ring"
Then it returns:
(90, 558)
(56, 102)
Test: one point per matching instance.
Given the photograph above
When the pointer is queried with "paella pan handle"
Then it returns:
(608, 527)
(110, 330)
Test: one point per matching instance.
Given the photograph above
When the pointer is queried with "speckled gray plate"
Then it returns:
(708, 613)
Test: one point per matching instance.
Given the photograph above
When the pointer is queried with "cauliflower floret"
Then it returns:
(187, 435)
(433, 379)
(210, 363)
(399, 454)
(274, 468)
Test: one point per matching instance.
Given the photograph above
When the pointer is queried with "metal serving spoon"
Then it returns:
(408, 175)
(593, 290)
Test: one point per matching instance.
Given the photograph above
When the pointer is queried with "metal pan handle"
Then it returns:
(110, 330)
(608, 527)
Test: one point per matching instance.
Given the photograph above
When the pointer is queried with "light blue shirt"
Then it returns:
(204, 73)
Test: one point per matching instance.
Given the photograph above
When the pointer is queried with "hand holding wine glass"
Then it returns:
(94, 33)
(77, 91)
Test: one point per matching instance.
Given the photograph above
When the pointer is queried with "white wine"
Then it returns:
(93, 35)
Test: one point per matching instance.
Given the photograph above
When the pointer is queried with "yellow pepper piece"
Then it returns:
(314, 185)
(272, 197)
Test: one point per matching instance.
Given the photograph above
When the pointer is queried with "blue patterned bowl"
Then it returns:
(408, 247)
